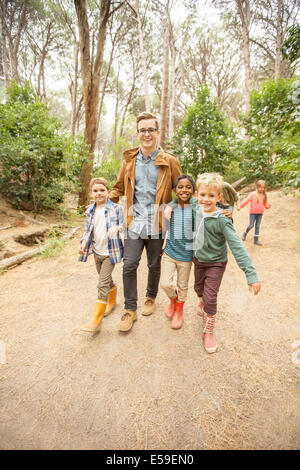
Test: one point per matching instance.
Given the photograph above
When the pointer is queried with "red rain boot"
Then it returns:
(210, 344)
(177, 317)
(170, 310)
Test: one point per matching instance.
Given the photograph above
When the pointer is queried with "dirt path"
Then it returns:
(154, 388)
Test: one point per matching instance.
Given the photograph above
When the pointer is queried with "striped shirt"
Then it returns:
(113, 218)
(179, 243)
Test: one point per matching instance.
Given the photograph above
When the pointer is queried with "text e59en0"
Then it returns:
(172, 459)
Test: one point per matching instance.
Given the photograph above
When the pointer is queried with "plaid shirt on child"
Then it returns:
(113, 217)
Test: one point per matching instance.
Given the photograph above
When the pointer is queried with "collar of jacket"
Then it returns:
(214, 215)
(109, 204)
(160, 159)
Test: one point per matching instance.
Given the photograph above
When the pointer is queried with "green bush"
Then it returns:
(38, 162)
(272, 151)
(108, 169)
(205, 142)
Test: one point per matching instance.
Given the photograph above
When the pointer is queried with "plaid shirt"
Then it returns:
(113, 217)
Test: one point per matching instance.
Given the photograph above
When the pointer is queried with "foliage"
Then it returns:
(108, 169)
(53, 247)
(75, 153)
(35, 156)
(291, 46)
(205, 141)
(273, 126)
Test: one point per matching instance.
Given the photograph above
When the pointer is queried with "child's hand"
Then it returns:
(255, 287)
(268, 206)
(168, 212)
(227, 213)
(238, 207)
(82, 247)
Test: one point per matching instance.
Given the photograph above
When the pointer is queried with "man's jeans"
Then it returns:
(254, 219)
(133, 249)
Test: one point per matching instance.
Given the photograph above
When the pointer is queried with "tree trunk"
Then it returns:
(102, 95)
(74, 92)
(91, 85)
(143, 59)
(115, 137)
(243, 7)
(14, 42)
(3, 45)
(136, 11)
(165, 86)
(128, 101)
(173, 90)
(282, 66)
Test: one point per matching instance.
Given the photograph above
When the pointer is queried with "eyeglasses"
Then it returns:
(150, 131)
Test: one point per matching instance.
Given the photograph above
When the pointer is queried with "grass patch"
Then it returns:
(54, 245)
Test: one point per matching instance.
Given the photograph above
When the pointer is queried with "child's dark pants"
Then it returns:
(208, 277)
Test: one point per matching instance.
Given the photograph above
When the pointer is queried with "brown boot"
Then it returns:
(170, 310)
(94, 324)
(127, 320)
(210, 344)
(177, 319)
(149, 306)
(111, 300)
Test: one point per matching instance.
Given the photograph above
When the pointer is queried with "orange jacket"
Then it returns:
(169, 170)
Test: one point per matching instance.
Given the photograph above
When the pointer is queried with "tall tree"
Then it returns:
(14, 15)
(91, 74)
(238, 14)
(136, 10)
(275, 18)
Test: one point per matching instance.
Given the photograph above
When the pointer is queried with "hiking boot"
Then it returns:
(127, 320)
(244, 236)
(177, 319)
(256, 241)
(170, 310)
(149, 306)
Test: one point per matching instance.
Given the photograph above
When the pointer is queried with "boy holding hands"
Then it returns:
(103, 224)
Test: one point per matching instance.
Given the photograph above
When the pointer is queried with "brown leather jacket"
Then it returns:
(169, 170)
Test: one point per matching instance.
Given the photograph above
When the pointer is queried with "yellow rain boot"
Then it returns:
(111, 300)
(94, 323)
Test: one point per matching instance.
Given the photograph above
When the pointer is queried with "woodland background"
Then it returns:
(220, 74)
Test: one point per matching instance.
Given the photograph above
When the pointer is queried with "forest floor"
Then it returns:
(154, 387)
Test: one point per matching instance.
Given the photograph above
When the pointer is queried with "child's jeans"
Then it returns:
(208, 277)
(254, 219)
(169, 267)
(104, 268)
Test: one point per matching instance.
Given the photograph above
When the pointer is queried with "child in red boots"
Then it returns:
(101, 233)
(178, 252)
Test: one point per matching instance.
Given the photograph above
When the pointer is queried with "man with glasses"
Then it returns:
(146, 178)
